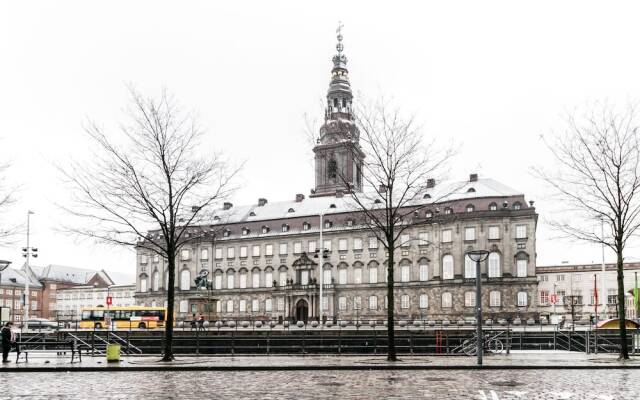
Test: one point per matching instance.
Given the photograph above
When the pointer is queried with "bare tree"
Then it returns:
(396, 168)
(7, 198)
(151, 192)
(598, 177)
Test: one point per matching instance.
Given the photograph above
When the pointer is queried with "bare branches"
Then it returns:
(7, 199)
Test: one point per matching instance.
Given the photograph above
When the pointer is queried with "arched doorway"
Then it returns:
(302, 310)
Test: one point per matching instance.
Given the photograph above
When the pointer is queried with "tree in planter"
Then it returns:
(396, 171)
(152, 191)
(597, 176)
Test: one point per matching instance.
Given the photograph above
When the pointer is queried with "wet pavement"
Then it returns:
(423, 384)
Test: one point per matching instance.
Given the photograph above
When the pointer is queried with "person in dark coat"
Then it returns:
(8, 338)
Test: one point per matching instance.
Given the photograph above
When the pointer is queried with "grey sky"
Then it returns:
(492, 76)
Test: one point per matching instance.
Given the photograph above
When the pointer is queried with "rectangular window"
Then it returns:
(243, 280)
(357, 244)
(521, 231)
(255, 305)
(218, 307)
(522, 299)
(494, 299)
(424, 301)
(304, 277)
(325, 303)
(297, 247)
(218, 281)
(218, 253)
(231, 252)
(373, 242)
(282, 278)
(268, 305)
(342, 276)
(255, 251)
(230, 281)
(470, 233)
(544, 297)
(184, 306)
(373, 274)
(494, 233)
(469, 299)
(283, 249)
(405, 273)
(143, 259)
(312, 246)
(373, 303)
(156, 258)
(229, 306)
(204, 254)
(184, 254)
(268, 250)
(424, 272)
(446, 236)
(405, 241)
(357, 303)
(243, 306)
(357, 275)
(280, 303)
(469, 268)
(612, 296)
(423, 238)
(577, 277)
(268, 279)
(255, 280)
(243, 251)
(327, 244)
(521, 268)
(559, 277)
(342, 303)
(342, 245)
(404, 301)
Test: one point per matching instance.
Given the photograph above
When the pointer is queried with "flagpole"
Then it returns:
(595, 293)
(635, 294)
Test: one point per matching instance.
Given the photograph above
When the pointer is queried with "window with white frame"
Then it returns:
(447, 267)
(255, 305)
(268, 305)
(405, 273)
(312, 246)
(404, 301)
(373, 274)
(304, 277)
(268, 279)
(243, 251)
(469, 267)
(243, 279)
(522, 299)
(373, 303)
(280, 303)
(283, 249)
(446, 300)
(326, 279)
(469, 299)
(204, 254)
(218, 307)
(184, 306)
(405, 240)
(231, 252)
(357, 303)
(357, 244)
(325, 303)
(185, 280)
(243, 306)
(218, 253)
(494, 265)
(544, 297)
(306, 226)
(470, 233)
(423, 238)
(494, 298)
(357, 275)
(184, 254)
(268, 250)
(342, 276)
(494, 232)
(143, 284)
(218, 281)
(342, 245)
(342, 303)
(446, 236)
(424, 301)
(521, 231)
(230, 280)
(285, 228)
(282, 278)
(327, 244)
(255, 250)
(155, 282)
(373, 242)
(156, 258)
(255, 279)
(297, 247)
(424, 270)
(521, 268)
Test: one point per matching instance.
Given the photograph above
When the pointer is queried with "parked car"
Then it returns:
(41, 324)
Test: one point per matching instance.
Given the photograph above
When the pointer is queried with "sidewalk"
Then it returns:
(516, 360)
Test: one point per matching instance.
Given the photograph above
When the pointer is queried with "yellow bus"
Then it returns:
(123, 317)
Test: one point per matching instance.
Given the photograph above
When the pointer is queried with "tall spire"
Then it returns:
(339, 95)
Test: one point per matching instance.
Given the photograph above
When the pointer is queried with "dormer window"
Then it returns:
(306, 226)
(226, 233)
(332, 205)
(349, 222)
(517, 205)
(493, 206)
(252, 214)
(377, 201)
(285, 228)
(428, 214)
(448, 210)
(216, 218)
(471, 190)
(265, 229)
(426, 196)
(290, 210)
(245, 231)
(328, 224)
(470, 208)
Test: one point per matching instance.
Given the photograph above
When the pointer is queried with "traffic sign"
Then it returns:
(109, 300)
(553, 298)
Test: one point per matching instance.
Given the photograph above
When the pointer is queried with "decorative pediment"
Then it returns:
(304, 262)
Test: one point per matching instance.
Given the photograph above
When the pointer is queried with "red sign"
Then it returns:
(553, 298)
(109, 300)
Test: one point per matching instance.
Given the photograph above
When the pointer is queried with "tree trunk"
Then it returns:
(624, 351)
(391, 334)
(168, 328)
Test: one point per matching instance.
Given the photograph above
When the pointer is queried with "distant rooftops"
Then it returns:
(552, 269)
(78, 276)
(14, 277)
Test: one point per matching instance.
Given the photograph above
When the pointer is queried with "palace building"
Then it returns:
(264, 264)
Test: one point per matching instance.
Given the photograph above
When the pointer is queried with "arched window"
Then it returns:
(332, 169)
(373, 272)
(357, 273)
(326, 278)
(446, 300)
(155, 286)
(517, 205)
(469, 299)
(268, 277)
(448, 210)
(424, 270)
(494, 265)
(282, 277)
(522, 260)
(342, 274)
(470, 208)
(185, 280)
(255, 278)
(243, 279)
(143, 283)
(469, 267)
(493, 206)
(447, 267)
(217, 280)
(428, 214)
(230, 279)
(405, 271)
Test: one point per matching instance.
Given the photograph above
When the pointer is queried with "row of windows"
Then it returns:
(17, 304)
(576, 298)
(343, 244)
(17, 292)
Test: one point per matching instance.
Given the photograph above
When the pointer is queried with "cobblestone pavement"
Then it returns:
(440, 384)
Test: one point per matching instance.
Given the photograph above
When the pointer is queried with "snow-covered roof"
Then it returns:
(63, 273)
(14, 277)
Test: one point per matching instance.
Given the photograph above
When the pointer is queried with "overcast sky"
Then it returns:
(492, 76)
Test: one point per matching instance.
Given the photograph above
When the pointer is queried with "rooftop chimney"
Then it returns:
(431, 183)
(299, 197)
(473, 178)
(227, 205)
(262, 202)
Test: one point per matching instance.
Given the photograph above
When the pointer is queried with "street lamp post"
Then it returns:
(3, 265)
(27, 252)
(478, 256)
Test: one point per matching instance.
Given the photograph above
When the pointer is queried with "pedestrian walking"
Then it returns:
(201, 322)
(8, 339)
(194, 322)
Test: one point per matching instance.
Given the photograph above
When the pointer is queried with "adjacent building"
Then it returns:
(12, 294)
(71, 300)
(262, 260)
